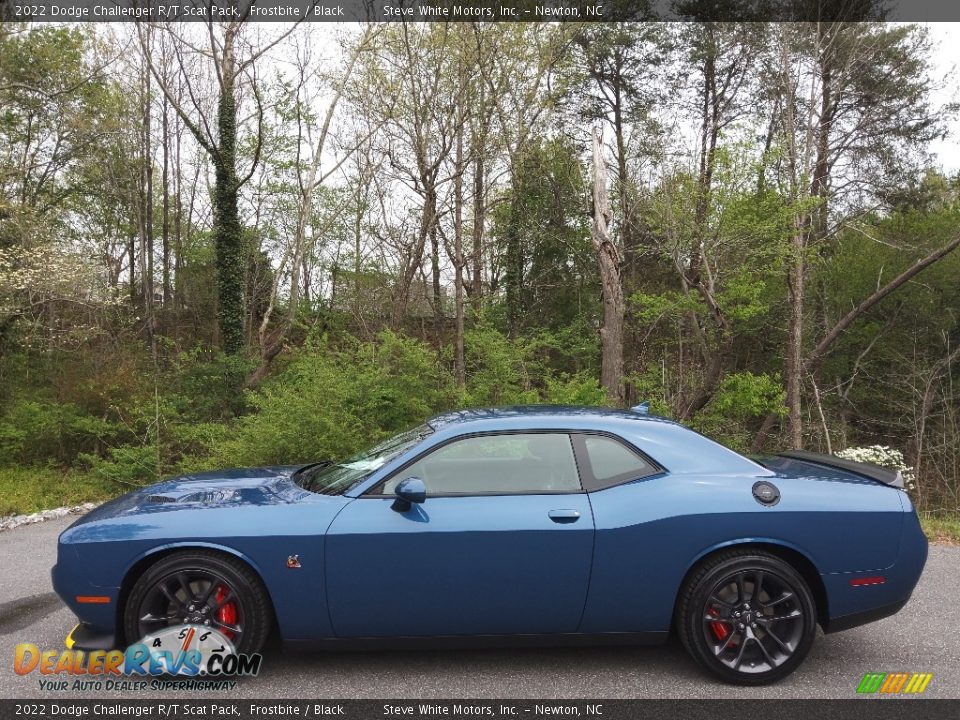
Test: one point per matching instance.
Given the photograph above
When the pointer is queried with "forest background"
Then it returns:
(222, 246)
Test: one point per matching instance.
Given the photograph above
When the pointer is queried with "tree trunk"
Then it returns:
(794, 355)
(513, 267)
(166, 205)
(177, 217)
(709, 134)
(611, 331)
(458, 359)
(820, 182)
(228, 235)
(146, 215)
(435, 272)
(478, 220)
(623, 178)
(132, 251)
(796, 267)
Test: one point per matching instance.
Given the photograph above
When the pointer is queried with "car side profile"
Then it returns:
(534, 525)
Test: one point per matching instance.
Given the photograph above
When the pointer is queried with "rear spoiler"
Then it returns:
(887, 476)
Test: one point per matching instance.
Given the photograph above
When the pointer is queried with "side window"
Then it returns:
(516, 463)
(611, 462)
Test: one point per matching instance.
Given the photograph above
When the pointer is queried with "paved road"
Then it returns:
(925, 636)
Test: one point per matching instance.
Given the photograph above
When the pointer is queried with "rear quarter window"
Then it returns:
(610, 462)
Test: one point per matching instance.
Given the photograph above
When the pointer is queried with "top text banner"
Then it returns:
(474, 10)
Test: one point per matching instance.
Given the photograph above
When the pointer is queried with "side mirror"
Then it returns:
(409, 491)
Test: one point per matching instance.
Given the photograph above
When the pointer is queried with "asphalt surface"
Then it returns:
(924, 637)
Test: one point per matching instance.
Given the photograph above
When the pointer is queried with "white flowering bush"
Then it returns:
(882, 455)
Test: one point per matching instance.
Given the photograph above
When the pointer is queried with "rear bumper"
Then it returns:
(85, 638)
(852, 605)
(845, 622)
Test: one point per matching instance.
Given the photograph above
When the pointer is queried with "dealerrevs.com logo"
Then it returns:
(184, 651)
(898, 683)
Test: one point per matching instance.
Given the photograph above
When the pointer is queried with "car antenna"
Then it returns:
(643, 408)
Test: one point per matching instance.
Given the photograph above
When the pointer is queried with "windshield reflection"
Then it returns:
(337, 478)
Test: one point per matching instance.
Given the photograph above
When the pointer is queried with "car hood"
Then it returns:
(240, 487)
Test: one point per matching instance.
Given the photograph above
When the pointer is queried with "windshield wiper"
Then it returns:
(308, 471)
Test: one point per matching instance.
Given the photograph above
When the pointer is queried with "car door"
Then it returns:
(502, 545)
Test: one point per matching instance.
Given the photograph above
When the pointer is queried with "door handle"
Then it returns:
(564, 516)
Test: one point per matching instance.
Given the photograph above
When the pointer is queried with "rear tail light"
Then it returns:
(875, 580)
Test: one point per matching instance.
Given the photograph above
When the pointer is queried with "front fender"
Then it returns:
(109, 554)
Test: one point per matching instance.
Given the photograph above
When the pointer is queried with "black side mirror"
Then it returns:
(409, 491)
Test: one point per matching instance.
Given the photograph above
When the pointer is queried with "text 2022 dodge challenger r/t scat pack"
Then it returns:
(535, 525)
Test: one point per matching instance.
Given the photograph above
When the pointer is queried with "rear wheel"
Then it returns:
(747, 617)
(200, 588)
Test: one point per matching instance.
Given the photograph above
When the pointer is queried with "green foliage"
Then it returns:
(744, 395)
(90, 380)
(124, 467)
(743, 297)
(543, 231)
(39, 432)
(651, 385)
(29, 489)
(202, 387)
(571, 348)
(668, 305)
(331, 401)
(578, 389)
(741, 399)
(500, 370)
(942, 529)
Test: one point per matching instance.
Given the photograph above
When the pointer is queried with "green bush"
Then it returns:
(741, 400)
(125, 466)
(500, 370)
(26, 490)
(330, 402)
(577, 389)
(40, 432)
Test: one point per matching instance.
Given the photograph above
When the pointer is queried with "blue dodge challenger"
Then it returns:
(534, 525)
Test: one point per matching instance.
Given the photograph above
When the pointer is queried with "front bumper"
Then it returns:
(85, 638)
(95, 607)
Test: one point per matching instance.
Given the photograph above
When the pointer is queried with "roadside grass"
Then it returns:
(29, 489)
(943, 529)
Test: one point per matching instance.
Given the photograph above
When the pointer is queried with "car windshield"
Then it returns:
(335, 478)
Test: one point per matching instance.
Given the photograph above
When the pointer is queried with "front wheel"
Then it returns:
(747, 617)
(201, 588)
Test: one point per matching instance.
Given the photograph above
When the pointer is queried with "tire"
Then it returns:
(758, 637)
(216, 582)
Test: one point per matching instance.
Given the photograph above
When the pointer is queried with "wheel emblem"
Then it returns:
(194, 597)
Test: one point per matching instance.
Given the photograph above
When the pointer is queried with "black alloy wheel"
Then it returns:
(200, 588)
(747, 617)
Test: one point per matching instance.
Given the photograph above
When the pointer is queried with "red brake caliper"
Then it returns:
(228, 613)
(720, 630)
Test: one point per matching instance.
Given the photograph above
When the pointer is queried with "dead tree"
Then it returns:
(611, 330)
